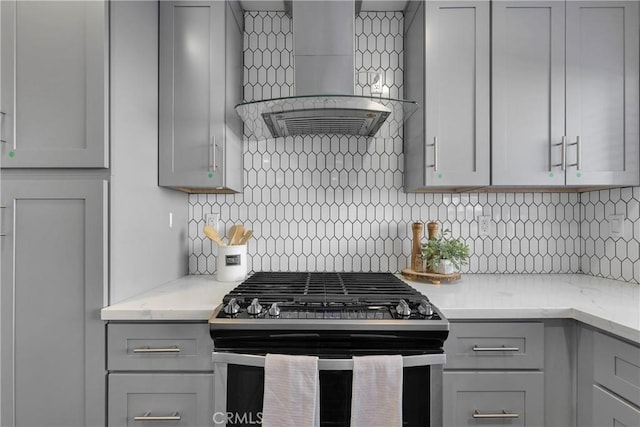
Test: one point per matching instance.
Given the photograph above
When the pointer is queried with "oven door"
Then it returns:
(239, 390)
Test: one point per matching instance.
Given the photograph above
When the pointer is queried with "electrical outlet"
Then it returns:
(377, 83)
(616, 225)
(212, 219)
(484, 225)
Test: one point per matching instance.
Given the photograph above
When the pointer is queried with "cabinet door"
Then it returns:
(493, 398)
(193, 96)
(528, 93)
(161, 400)
(53, 285)
(602, 93)
(457, 93)
(611, 411)
(54, 84)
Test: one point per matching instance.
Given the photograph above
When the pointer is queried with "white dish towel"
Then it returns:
(376, 399)
(291, 391)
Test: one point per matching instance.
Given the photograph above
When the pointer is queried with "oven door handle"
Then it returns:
(326, 364)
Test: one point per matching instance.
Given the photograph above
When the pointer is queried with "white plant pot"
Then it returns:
(445, 267)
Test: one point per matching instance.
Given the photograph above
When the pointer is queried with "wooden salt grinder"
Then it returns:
(416, 251)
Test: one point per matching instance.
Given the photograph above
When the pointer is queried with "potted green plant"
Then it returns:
(445, 254)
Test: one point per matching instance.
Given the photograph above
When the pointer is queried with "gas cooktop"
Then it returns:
(326, 300)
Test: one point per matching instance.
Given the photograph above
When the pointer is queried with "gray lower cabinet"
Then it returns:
(611, 411)
(565, 80)
(494, 374)
(447, 50)
(53, 258)
(608, 380)
(160, 374)
(493, 398)
(200, 147)
(161, 399)
(54, 84)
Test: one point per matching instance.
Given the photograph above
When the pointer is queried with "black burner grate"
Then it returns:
(325, 287)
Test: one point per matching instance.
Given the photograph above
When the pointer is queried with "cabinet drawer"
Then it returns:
(159, 347)
(489, 345)
(493, 398)
(160, 400)
(617, 366)
(610, 411)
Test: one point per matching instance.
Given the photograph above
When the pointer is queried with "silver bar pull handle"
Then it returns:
(215, 160)
(563, 161)
(3, 114)
(2, 233)
(578, 162)
(211, 154)
(148, 417)
(434, 165)
(503, 414)
(173, 349)
(476, 348)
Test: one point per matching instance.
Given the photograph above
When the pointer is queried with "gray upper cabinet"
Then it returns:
(528, 93)
(602, 93)
(565, 94)
(54, 84)
(53, 251)
(200, 83)
(447, 72)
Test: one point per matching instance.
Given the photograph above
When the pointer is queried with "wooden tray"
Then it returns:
(433, 278)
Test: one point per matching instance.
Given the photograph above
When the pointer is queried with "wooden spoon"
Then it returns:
(212, 233)
(239, 234)
(245, 237)
(231, 235)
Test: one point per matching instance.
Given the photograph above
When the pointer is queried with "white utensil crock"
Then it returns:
(231, 263)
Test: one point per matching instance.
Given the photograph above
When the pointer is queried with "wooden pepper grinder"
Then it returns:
(416, 251)
(432, 230)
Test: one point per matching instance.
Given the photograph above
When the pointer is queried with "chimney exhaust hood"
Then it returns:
(324, 73)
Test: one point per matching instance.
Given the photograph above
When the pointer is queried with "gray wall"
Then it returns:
(145, 251)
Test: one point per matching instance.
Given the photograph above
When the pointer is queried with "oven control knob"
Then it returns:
(232, 307)
(274, 310)
(254, 307)
(425, 308)
(403, 309)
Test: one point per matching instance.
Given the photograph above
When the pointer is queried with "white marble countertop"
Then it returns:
(605, 304)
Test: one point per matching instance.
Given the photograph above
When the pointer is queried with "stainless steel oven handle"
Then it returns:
(326, 364)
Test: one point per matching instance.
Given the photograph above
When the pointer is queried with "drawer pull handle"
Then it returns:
(503, 414)
(148, 417)
(173, 349)
(476, 348)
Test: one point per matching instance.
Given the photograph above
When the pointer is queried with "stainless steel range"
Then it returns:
(334, 316)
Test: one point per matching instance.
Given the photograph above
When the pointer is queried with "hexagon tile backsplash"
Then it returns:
(336, 203)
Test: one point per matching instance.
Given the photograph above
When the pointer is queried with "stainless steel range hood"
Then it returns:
(324, 73)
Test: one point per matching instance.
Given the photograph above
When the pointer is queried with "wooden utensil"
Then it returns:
(239, 234)
(245, 237)
(212, 233)
(231, 235)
